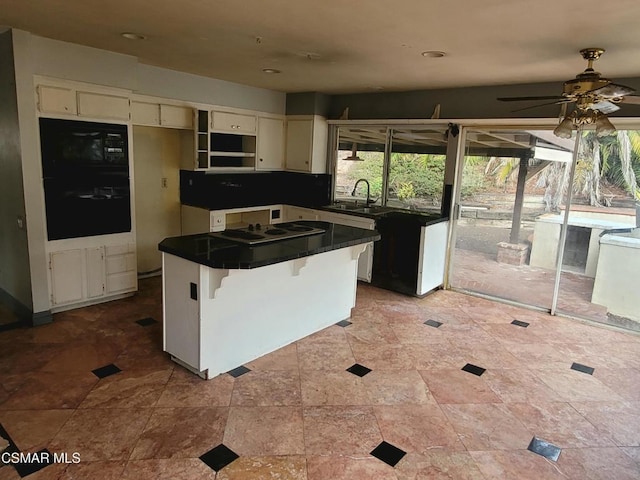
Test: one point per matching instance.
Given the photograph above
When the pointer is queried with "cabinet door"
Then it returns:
(66, 276)
(143, 113)
(121, 268)
(299, 145)
(176, 117)
(95, 272)
(56, 100)
(233, 122)
(270, 144)
(103, 106)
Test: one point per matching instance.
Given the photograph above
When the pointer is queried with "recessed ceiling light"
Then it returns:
(433, 54)
(271, 70)
(133, 36)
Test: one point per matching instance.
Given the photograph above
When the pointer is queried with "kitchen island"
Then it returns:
(227, 303)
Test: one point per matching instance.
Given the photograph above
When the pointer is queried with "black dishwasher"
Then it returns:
(396, 254)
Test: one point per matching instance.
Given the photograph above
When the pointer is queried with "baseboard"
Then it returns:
(26, 316)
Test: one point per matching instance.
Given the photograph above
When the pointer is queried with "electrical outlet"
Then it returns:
(164, 182)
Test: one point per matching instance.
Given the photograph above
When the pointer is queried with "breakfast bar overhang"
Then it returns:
(225, 304)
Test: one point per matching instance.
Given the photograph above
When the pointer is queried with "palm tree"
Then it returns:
(602, 161)
(613, 160)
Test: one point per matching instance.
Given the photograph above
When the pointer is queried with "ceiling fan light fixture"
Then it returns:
(565, 128)
(603, 126)
(354, 155)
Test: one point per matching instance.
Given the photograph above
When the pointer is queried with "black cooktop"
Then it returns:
(256, 234)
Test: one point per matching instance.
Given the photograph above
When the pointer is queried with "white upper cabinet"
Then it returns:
(56, 100)
(306, 146)
(233, 122)
(161, 115)
(73, 99)
(98, 105)
(270, 149)
(174, 116)
(144, 113)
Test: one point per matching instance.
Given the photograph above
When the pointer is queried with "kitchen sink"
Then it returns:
(368, 210)
(374, 210)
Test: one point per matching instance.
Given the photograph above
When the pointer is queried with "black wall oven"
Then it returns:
(85, 169)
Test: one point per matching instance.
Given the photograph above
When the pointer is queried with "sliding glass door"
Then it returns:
(525, 233)
(508, 185)
(601, 259)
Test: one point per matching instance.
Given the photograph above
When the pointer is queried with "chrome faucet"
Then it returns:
(353, 193)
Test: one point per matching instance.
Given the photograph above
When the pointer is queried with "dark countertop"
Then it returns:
(389, 213)
(220, 253)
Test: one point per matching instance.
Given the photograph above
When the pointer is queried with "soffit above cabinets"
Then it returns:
(434, 139)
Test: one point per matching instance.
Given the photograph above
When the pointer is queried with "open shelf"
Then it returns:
(217, 151)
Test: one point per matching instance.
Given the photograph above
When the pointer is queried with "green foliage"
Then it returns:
(371, 169)
(413, 175)
(473, 177)
(416, 175)
(406, 191)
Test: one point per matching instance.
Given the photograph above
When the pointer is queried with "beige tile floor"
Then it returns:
(298, 414)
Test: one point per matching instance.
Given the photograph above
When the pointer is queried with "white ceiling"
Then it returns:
(351, 46)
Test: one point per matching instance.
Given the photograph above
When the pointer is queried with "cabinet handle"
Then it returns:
(261, 160)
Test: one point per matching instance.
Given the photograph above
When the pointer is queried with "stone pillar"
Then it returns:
(512, 253)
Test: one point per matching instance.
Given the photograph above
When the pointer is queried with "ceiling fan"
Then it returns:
(588, 89)
(594, 98)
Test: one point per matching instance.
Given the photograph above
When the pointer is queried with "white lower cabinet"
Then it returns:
(83, 275)
(365, 262)
(95, 272)
(121, 268)
(432, 258)
(67, 276)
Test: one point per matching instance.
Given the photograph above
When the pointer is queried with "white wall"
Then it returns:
(156, 155)
(35, 55)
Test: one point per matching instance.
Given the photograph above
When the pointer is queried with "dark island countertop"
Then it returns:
(213, 252)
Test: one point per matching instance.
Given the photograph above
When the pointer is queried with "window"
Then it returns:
(403, 165)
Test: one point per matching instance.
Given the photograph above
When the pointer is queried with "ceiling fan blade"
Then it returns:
(613, 90)
(563, 101)
(605, 107)
(630, 100)
(522, 99)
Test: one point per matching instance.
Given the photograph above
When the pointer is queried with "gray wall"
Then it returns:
(15, 281)
(308, 103)
(459, 103)
(161, 82)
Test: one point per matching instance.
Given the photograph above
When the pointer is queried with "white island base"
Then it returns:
(218, 319)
